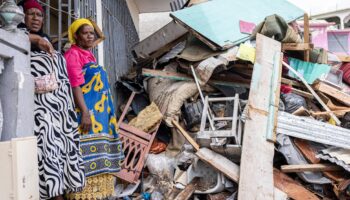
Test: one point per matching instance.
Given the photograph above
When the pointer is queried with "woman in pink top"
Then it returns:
(100, 144)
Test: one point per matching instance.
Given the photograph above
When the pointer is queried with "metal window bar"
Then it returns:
(63, 6)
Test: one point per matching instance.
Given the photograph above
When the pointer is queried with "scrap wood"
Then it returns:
(310, 168)
(306, 37)
(310, 155)
(291, 82)
(184, 77)
(187, 192)
(344, 58)
(293, 189)
(302, 93)
(331, 105)
(186, 135)
(220, 163)
(338, 113)
(301, 112)
(333, 92)
(297, 46)
(306, 149)
(337, 121)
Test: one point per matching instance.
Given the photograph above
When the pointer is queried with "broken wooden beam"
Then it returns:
(302, 93)
(187, 192)
(310, 168)
(333, 92)
(186, 135)
(185, 77)
(296, 46)
(220, 163)
(344, 58)
(291, 82)
(292, 188)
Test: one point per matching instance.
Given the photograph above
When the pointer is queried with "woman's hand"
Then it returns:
(85, 124)
(46, 46)
(42, 43)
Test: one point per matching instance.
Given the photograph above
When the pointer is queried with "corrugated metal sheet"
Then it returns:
(313, 130)
(336, 155)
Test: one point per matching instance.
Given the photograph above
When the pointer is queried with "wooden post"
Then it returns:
(306, 37)
(256, 175)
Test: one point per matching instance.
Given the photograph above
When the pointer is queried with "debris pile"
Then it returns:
(230, 103)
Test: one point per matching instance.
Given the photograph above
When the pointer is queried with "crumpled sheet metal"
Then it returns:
(336, 155)
(313, 130)
(294, 157)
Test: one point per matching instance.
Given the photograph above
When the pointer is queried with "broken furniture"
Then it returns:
(226, 127)
(136, 146)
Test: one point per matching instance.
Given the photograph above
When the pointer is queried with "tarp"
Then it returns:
(218, 20)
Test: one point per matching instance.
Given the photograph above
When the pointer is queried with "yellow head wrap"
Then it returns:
(75, 26)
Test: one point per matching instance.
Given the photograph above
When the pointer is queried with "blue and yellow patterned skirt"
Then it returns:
(101, 147)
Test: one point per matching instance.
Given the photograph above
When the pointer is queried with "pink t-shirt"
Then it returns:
(76, 58)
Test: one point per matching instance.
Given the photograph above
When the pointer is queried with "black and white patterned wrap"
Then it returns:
(61, 167)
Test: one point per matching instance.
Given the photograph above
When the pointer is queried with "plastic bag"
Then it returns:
(292, 102)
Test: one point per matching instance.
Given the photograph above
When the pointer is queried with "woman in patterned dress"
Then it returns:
(100, 143)
(61, 168)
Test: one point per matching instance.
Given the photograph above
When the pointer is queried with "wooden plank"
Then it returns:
(333, 92)
(293, 189)
(306, 37)
(256, 176)
(291, 83)
(308, 152)
(337, 121)
(301, 112)
(220, 163)
(186, 135)
(338, 113)
(296, 46)
(187, 192)
(185, 77)
(302, 93)
(332, 106)
(310, 168)
(344, 58)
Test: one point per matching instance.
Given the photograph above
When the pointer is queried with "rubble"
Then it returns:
(251, 114)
